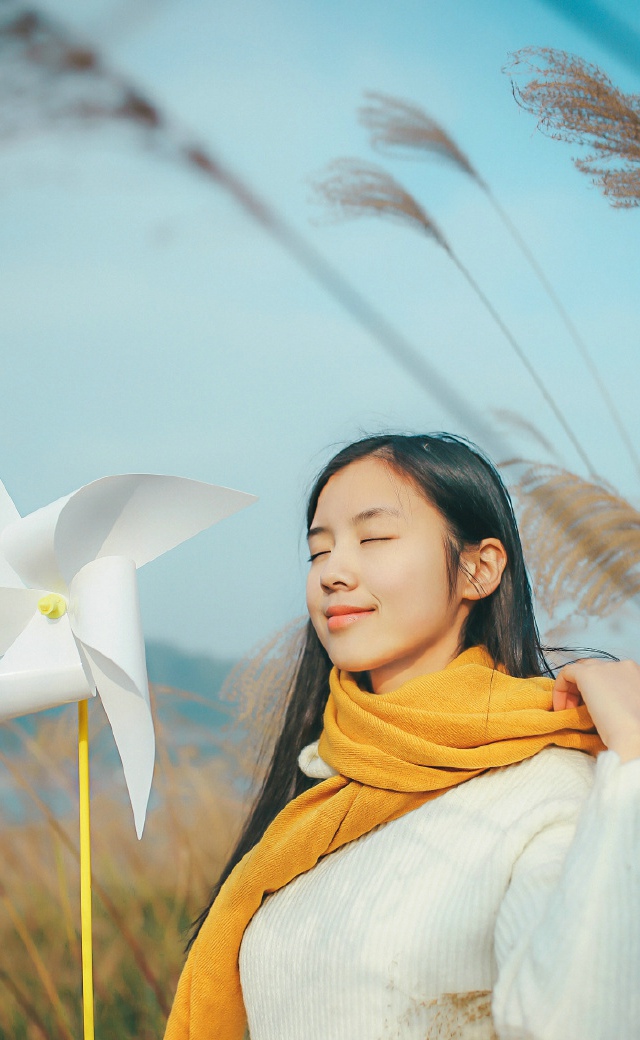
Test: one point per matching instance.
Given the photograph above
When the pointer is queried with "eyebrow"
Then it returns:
(359, 518)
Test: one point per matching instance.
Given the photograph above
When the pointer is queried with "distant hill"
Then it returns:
(167, 665)
(197, 673)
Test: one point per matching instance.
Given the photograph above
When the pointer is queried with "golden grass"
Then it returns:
(144, 893)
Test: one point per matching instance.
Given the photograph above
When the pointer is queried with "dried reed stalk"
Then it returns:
(258, 687)
(352, 188)
(118, 918)
(41, 968)
(516, 421)
(581, 539)
(49, 79)
(25, 1005)
(576, 101)
(146, 893)
(401, 128)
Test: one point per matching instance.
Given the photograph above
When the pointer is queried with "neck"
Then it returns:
(389, 677)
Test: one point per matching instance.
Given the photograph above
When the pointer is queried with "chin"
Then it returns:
(354, 669)
(354, 662)
(356, 652)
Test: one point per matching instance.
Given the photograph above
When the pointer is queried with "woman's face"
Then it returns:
(377, 591)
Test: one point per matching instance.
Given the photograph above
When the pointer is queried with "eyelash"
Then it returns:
(314, 556)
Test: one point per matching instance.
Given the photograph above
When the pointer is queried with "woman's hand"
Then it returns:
(611, 692)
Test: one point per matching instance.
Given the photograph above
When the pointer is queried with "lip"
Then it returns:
(343, 616)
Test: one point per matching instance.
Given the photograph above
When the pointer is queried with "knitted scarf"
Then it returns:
(392, 753)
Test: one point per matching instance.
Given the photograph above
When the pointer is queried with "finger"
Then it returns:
(565, 691)
(571, 677)
(563, 700)
(574, 671)
(566, 678)
(559, 701)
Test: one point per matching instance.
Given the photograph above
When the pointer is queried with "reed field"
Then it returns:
(145, 894)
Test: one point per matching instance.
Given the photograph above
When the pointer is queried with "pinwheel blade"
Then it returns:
(17, 607)
(8, 511)
(104, 614)
(140, 516)
(28, 545)
(41, 669)
(131, 722)
(86, 548)
(8, 515)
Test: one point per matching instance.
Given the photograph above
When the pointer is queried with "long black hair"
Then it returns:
(456, 478)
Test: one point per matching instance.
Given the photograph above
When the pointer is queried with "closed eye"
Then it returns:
(324, 552)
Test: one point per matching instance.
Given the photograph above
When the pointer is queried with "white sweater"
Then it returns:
(508, 907)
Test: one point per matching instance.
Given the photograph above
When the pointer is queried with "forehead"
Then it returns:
(366, 484)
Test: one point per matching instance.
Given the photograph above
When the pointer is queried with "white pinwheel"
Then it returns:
(69, 613)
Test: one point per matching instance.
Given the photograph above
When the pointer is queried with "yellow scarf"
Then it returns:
(393, 752)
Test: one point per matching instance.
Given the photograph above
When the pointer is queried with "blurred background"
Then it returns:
(176, 299)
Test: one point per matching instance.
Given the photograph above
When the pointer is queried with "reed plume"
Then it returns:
(581, 539)
(353, 188)
(54, 80)
(401, 128)
(575, 101)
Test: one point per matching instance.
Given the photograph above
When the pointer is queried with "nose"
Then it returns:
(337, 572)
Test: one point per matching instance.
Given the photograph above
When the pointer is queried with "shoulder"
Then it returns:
(550, 787)
(574, 769)
(547, 788)
(553, 772)
(551, 778)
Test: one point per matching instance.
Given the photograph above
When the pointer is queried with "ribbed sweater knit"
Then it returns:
(507, 908)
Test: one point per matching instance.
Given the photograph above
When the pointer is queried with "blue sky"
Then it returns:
(147, 324)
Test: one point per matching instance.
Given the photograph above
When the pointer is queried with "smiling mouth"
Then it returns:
(338, 621)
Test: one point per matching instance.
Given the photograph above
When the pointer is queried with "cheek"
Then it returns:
(314, 600)
(317, 619)
(311, 592)
(418, 588)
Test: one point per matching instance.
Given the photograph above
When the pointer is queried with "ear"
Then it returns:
(481, 568)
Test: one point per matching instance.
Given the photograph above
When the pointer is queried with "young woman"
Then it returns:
(436, 851)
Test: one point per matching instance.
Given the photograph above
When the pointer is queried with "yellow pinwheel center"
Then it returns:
(53, 605)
